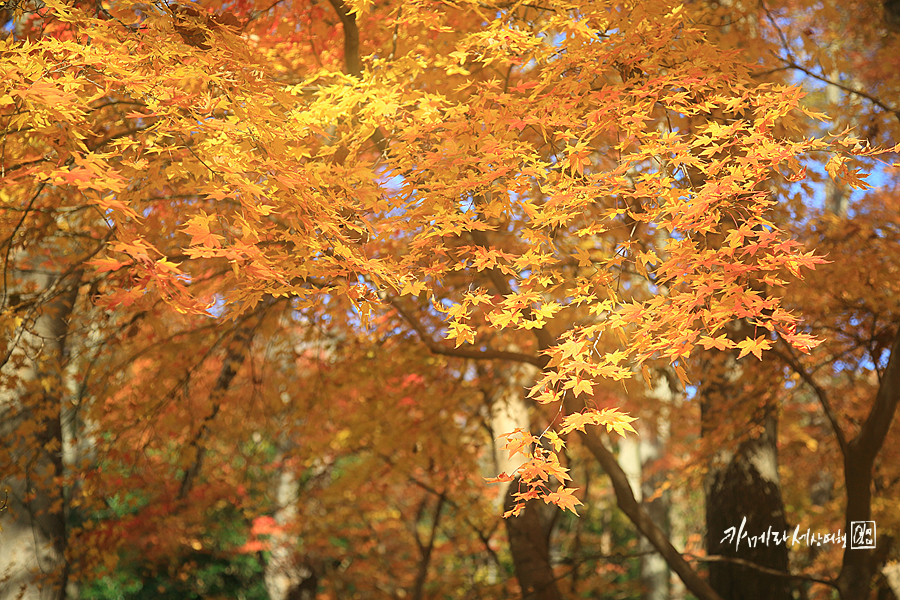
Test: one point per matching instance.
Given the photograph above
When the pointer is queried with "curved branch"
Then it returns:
(792, 65)
(638, 516)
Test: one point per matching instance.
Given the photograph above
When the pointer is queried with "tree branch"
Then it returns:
(876, 426)
(437, 348)
(235, 355)
(351, 38)
(484, 537)
(638, 516)
(859, 564)
(792, 65)
(821, 394)
(762, 569)
(47, 294)
(427, 549)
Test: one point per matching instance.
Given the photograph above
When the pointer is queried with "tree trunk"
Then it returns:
(742, 483)
(529, 533)
(286, 576)
(529, 543)
(634, 452)
(860, 563)
(281, 574)
(34, 538)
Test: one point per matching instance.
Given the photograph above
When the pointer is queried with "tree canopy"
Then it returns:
(271, 268)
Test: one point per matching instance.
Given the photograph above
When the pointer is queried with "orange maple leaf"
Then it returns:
(198, 228)
(107, 264)
(564, 498)
(501, 478)
(719, 343)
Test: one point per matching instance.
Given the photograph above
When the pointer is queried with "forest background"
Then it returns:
(285, 282)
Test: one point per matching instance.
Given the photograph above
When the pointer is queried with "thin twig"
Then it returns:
(761, 569)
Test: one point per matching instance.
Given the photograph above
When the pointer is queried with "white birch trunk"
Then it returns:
(32, 543)
(282, 573)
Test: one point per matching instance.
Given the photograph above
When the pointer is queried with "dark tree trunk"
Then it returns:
(742, 483)
(306, 589)
(529, 542)
(860, 564)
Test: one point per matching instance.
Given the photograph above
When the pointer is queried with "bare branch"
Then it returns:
(638, 516)
(792, 65)
(820, 393)
(762, 569)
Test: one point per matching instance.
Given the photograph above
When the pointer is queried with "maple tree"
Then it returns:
(230, 229)
(847, 77)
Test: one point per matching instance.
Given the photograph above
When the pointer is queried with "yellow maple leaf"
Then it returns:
(754, 346)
